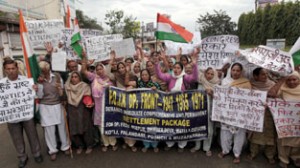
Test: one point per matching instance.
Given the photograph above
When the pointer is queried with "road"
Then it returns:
(124, 158)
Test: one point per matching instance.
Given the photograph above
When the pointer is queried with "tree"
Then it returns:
(113, 20)
(87, 22)
(131, 27)
(216, 24)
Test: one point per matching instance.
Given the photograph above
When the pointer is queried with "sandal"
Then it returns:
(79, 151)
(104, 149)
(221, 155)
(133, 149)
(236, 160)
(156, 150)
(114, 148)
(208, 153)
(144, 150)
(88, 150)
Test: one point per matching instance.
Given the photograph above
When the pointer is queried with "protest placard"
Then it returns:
(216, 49)
(59, 61)
(41, 31)
(286, 115)
(99, 47)
(172, 47)
(270, 58)
(16, 100)
(124, 48)
(145, 114)
(85, 33)
(238, 107)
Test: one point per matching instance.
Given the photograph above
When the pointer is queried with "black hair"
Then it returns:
(209, 68)
(147, 72)
(256, 71)
(238, 64)
(10, 61)
(120, 64)
(180, 64)
(130, 59)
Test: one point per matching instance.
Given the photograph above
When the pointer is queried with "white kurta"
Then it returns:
(51, 114)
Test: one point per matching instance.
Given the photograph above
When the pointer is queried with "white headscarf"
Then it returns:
(179, 81)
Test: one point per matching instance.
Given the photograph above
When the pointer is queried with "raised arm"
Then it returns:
(163, 76)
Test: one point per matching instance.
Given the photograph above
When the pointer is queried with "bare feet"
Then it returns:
(104, 149)
(208, 153)
(88, 150)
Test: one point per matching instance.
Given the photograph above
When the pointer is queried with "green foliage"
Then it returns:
(113, 20)
(276, 21)
(118, 23)
(86, 22)
(131, 27)
(216, 24)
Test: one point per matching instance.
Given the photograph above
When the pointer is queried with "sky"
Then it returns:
(183, 12)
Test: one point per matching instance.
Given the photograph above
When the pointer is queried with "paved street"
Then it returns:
(125, 158)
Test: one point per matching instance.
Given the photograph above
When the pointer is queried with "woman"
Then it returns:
(51, 110)
(119, 79)
(234, 79)
(99, 81)
(146, 82)
(80, 119)
(151, 68)
(266, 138)
(136, 69)
(289, 147)
(207, 81)
(176, 82)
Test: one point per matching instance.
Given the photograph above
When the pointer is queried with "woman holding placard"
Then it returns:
(289, 147)
(234, 78)
(260, 81)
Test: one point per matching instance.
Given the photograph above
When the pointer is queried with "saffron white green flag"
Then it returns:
(32, 67)
(75, 39)
(167, 30)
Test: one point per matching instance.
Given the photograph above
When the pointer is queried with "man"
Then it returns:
(16, 128)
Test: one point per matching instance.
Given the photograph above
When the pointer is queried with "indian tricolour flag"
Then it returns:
(32, 67)
(167, 30)
(68, 18)
(75, 39)
(295, 52)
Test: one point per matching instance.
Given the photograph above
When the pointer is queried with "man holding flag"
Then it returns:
(16, 128)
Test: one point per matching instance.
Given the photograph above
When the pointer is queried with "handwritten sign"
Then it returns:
(124, 48)
(243, 108)
(286, 115)
(67, 35)
(99, 47)
(41, 31)
(216, 49)
(270, 58)
(16, 100)
(145, 114)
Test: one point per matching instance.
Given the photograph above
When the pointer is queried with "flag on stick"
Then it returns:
(167, 30)
(68, 18)
(295, 52)
(32, 67)
(75, 39)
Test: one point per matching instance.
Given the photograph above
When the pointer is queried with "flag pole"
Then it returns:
(68, 130)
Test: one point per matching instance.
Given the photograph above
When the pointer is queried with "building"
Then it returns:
(263, 3)
(10, 43)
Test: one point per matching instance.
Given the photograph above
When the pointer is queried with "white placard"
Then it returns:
(215, 50)
(286, 115)
(270, 58)
(59, 61)
(242, 108)
(67, 35)
(124, 48)
(98, 47)
(16, 100)
(41, 31)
